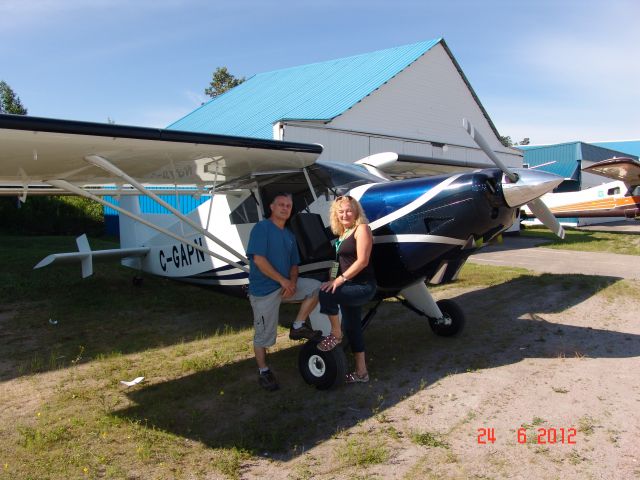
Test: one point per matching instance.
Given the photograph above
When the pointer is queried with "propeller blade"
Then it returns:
(482, 143)
(540, 210)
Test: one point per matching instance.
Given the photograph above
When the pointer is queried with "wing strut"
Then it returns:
(111, 168)
(306, 176)
(63, 184)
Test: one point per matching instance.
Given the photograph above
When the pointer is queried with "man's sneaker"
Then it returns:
(305, 331)
(267, 380)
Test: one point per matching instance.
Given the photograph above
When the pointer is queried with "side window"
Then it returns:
(614, 191)
(245, 212)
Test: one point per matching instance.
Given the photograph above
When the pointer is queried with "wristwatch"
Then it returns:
(344, 278)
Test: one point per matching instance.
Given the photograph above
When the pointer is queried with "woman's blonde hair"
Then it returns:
(336, 226)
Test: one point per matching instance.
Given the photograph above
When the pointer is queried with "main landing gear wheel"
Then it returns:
(452, 322)
(325, 370)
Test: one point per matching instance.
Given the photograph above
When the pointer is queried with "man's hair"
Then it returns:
(280, 194)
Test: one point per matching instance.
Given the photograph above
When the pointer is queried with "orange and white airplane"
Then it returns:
(619, 198)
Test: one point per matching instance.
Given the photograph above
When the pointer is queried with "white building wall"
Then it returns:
(424, 103)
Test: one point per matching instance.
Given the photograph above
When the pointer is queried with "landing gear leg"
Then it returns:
(446, 318)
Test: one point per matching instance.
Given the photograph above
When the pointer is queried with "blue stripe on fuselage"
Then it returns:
(383, 198)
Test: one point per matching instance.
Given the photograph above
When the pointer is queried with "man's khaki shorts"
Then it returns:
(266, 310)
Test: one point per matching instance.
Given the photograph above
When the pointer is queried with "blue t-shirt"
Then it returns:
(279, 247)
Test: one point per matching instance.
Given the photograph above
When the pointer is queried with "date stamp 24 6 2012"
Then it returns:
(541, 436)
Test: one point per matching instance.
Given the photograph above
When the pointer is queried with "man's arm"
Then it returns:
(288, 287)
(293, 276)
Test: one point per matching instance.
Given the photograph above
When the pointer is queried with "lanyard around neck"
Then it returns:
(341, 239)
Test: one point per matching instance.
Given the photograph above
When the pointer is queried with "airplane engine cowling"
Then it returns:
(422, 224)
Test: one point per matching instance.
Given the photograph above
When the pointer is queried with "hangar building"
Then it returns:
(409, 99)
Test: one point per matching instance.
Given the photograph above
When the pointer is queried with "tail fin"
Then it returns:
(128, 227)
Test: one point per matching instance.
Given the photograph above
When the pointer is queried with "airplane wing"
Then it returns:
(397, 165)
(39, 153)
(623, 168)
(35, 150)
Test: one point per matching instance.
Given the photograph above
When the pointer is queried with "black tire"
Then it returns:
(324, 370)
(451, 310)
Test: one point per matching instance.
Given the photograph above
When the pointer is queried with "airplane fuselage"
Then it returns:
(423, 228)
(610, 199)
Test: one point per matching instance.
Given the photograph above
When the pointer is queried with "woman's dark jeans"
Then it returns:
(349, 297)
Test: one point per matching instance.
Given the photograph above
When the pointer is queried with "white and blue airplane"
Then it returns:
(424, 227)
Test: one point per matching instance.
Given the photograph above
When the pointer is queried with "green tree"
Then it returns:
(9, 101)
(221, 81)
(506, 141)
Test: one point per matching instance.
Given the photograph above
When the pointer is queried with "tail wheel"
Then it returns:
(325, 370)
(452, 321)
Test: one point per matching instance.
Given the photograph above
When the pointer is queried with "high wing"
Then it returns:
(36, 153)
(622, 168)
(35, 150)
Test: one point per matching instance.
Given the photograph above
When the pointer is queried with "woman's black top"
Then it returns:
(347, 255)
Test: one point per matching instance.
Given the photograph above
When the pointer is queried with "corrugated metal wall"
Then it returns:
(565, 157)
(182, 203)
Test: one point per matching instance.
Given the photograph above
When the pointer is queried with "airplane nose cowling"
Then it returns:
(531, 184)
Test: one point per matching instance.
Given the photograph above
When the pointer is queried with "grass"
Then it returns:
(428, 439)
(199, 411)
(586, 425)
(587, 241)
(363, 450)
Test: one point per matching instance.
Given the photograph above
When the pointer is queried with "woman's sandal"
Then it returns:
(329, 343)
(353, 377)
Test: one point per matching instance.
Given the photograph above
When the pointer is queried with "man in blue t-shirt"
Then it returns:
(273, 279)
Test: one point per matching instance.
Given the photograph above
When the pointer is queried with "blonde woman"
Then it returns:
(352, 284)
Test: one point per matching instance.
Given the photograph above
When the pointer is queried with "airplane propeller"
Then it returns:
(522, 186)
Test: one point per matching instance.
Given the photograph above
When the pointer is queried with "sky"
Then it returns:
(550, 70)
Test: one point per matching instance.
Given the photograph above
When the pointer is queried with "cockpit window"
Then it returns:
(344, 176)
(245, 212)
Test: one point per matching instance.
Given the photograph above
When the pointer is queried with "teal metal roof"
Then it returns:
(566, 157)
(630, 147)
(318, 91)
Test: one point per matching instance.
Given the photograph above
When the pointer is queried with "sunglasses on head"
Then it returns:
(344, 197)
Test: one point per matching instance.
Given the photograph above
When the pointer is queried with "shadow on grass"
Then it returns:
(51, 318)
(224, 407)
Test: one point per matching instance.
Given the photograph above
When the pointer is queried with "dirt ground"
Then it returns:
(559, 366)
(570, 380)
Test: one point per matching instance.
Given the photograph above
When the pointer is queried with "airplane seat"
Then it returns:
(314, 242)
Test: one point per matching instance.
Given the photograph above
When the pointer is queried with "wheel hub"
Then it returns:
(444, 320)
(317, 366)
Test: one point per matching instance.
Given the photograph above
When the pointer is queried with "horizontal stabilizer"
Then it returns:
(86, 256)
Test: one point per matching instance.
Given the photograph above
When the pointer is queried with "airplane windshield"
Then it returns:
(342, 176)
